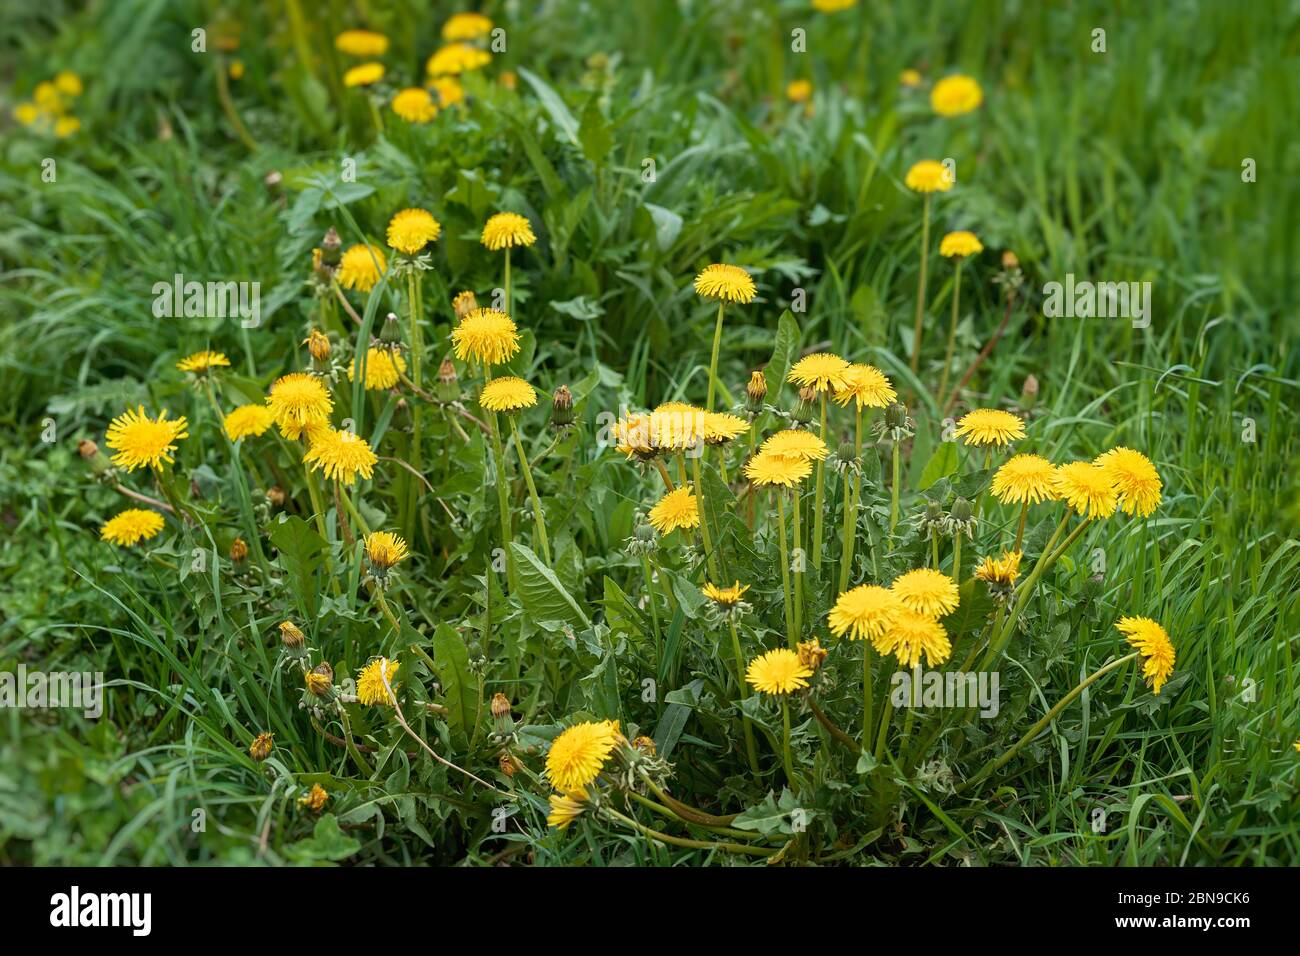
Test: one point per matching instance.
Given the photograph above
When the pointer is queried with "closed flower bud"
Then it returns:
(331, 247)
(319, 680)
(464, 304)
(896, 416)
(645, 745)
(962, 510)
(275, 496)
(98, 461)
(1029, 393)
(87, 449)
(1009, 260)
(261, 747)
(811, 654)
(391, 333)
(500, 705)
(509, 764)
(562, 407)
(318, 345)
(805, 409)
(756, 391)
(273, 180)
(448, 386)
(238, 550)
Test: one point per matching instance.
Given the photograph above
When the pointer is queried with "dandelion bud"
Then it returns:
(275, 496)
(804, 409)
(261, 746)
(1009, 260)
(448, 386)
(464, 304)
(290, 636)
(896, 416)
(391, 333)
(331, 247)
(500, 705)
(562, 407)
(98, 461)
(962, 510)
(238, 551)
(933, 511)
(319, 680)
(1029, 393)
(645, 745)
(273, 181)
(756, 391)
(318, 345)
(87, 449)
(509, 764)
(811, 654)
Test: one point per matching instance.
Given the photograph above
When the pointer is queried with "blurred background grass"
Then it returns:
(1123, 165)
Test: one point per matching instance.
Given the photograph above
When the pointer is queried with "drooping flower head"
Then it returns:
(488, 336)
(1024, 478)
(579, 754)
(795, 443)
(926, 591)
(131, 526)
(466, 26)
(1153, 643)
(361, 267)
(506, 230)
(367, 74)
(766, 470)
(1136, 480)
(385, 549)
(298, 400)
(778, 672)
(864, 612)
(374, 681)
(960, 244)
(725, 283)
(929, 176)
(565, 808)
(864, 385)
(677, 509)
(140, 440)
(1002, 571)
(341, 455)
(202, 362)
(821, 371)
(1088, 489)
(507, 394)
(910, 635)
(411, 230)
(990, 426)
(361, 43)
(384, 369)
(955, 95)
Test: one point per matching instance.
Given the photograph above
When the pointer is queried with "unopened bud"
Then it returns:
(238, 550)
(448, 388)
(1029, 393)
(391, 333)
(318, 345)
(896, 415)
(500, 705)
(273, 181)
(275, 496)
(331, 247)
(261, 746)
(562, 407)
(97, 460)
(464, 304)
(1009, 260)
(756, 391)
(962, 510)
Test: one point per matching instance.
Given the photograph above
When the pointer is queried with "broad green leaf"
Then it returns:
(543, 596)
(783, 353)
(460, 689)
(941, 464)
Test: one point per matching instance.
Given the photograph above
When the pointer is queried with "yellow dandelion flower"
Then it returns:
(341, 455)
(766, 470)
(1024, 478)
(799, 91)
(361, 43)
(579, 753)
(65, 126)
(140, 440)
(374, 681)
(909, 78)
(298, 400)
(384, 369)
(926, 591)
(632, 436)
(1136, 480)
(131, 526)
(1088, 489)
(724, 597)
(565, 808)
(456, 58)
(47, 96)
(778, 672)
(466, 26)
(911, 635)
(929, 176)
(796, 443)
(676, 426)
(415, 105)
(677, 509)
(866, 386)
(955, 95)
(486, 335)
(864, 612)
(361, 267)
(385, 549)
(449, 90)
(247, 420)
(1001, 571)
(319, 679)
(367, 74)
(463, 304)
(726, 283)
(833, 6)
(27, 113)
(1153, 643)
(990, 426)
(721, 427)
(821, 371)
(315, 798)
(507, 394)
(960, 244)
(505, 230)
(204, 361)
(68, 83)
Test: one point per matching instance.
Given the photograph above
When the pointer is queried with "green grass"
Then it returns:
(1123, 165)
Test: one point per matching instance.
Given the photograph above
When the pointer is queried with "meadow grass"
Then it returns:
(1122, 165)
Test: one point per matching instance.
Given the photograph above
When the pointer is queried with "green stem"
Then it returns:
(654, 610)
(1020, 528)
(532, 491)
(713, 361)
(956, 559)
(785, 568)
(851, 507)
(886, 712)
(866, 694)
(503, 499)
(786, 755)
(684, 842)
(952, 331)
(918, 329)
(1023, 592)
(710, 558)
(893, 494)
(798, 569)
(820, 498)
(750, 749)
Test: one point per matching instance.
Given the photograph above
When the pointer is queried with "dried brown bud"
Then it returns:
(315, 798)
(811, 654)
(276, 496)
(500, 705)
(87, 448)
(319, 679)
(562, 407)
(464, 303)
(261, 746)
(290, 636)
(447, 373)
(1009, 260)
(238, 550)
(645, 745)
(318, 345)
(509, 764)
(756, 390)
